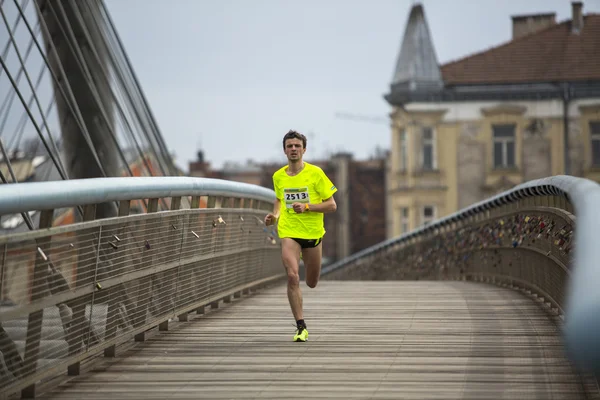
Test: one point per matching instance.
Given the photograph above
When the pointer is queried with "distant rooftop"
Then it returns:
(534, 16)
(541, 52)
(232, 167)
(553, 54)
(417, 66)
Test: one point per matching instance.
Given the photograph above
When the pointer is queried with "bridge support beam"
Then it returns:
(78, 55)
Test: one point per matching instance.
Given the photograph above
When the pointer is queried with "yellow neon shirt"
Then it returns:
(312, 186)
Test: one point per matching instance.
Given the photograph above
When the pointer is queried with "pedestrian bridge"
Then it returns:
(188, 299)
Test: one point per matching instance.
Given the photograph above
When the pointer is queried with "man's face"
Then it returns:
(294, 150)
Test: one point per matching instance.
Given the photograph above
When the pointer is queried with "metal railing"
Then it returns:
(540, 236)
(73, 291)
(70, 292)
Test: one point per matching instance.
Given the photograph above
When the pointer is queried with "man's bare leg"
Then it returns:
(290, 254)
(312, 263)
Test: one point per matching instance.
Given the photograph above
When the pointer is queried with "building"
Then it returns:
(468, 129)
(250, 172)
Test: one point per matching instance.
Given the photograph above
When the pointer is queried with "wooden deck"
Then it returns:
(368, 340)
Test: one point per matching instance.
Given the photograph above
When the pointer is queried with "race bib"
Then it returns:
(295, 195)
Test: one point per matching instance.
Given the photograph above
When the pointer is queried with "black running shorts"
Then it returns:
(308, 243)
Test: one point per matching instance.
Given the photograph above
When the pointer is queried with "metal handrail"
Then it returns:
(23, 197)
(582, 308)
(560, 187)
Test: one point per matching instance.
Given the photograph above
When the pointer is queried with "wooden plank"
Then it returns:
(376, 340)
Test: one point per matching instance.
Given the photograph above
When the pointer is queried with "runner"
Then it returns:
(304, 194)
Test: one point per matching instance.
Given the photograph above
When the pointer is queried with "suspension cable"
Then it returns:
(63, 172)
(128, 90)
(14, 29)
(24, 214)
(106, 77)
(147, 109)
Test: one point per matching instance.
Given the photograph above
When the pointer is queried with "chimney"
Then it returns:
(577, 17)
(527, 24)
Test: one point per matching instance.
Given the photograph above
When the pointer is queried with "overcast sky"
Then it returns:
(232, 76)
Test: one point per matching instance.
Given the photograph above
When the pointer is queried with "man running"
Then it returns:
(304, 193)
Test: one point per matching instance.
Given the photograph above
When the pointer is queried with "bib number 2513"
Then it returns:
(295, 195)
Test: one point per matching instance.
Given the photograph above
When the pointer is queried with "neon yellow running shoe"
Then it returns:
(301, 334)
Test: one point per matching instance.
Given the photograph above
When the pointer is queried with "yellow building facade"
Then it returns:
(465, 131)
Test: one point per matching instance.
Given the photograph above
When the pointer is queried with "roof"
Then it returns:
(417, 62)
(553, 54)
(23, 169)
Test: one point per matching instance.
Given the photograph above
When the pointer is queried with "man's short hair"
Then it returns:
(294, 135)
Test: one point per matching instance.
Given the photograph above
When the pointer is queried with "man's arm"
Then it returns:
(327, 206)
(271, 218)
(277, 208)
(326, 190)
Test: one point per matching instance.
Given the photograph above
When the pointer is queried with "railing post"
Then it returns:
(175, 205)
(211, 202)
(144, 288)
(92, 303)
(3, 270)
(76, 328)
(562, 204)
(112, 312)
(34, 322)
(173, 294)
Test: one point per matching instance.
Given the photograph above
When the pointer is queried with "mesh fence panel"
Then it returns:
(531, 247)
(71, 290)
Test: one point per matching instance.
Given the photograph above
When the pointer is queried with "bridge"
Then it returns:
(189, 301)
(123, 280)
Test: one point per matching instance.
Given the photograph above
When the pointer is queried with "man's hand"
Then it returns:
(270, 219)
(299, 207)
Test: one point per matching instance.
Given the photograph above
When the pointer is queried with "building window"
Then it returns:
(428, 215)
(595, 135)
(428, 149)
(504, 146)
(404, 222)
(402, 150)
